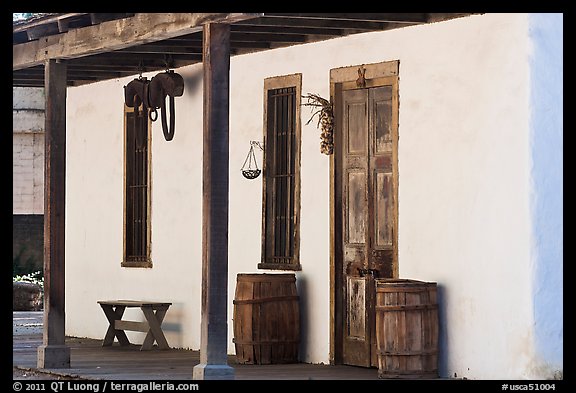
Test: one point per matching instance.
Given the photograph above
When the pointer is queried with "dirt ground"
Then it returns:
(20, 374)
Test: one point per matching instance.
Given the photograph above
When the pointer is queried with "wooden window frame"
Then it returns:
(273, 83)
(147, 262)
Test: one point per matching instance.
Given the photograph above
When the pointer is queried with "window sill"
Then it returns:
(280, 266)
(141, 264)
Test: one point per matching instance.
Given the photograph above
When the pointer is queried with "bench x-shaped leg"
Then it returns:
(114, 314)
(154, 333)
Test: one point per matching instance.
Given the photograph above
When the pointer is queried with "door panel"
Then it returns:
(381, 103)
(356, 325)
(357, 207)
(359, 321)
(369, 213)
(382, 192)
(357, 338)
(356, 119)
(383, 209)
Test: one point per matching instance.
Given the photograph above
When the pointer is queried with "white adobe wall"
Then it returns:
(27, 150)
(464, 185)
(464, 181)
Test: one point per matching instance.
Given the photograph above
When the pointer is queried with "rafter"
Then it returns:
(384, 17)
(100, 46)
(114, 35)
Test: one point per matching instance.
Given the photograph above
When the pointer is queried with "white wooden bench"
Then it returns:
(154, 313)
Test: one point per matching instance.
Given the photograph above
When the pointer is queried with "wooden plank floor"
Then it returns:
(92, 361)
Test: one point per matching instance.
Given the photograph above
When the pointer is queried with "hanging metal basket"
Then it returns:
(251, 171)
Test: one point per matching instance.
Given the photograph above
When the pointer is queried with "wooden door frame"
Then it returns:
(344, 78)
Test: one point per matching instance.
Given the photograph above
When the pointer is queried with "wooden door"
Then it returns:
(368, 222)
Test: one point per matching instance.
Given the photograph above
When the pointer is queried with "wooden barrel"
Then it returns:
(266, 319)
(406, 328)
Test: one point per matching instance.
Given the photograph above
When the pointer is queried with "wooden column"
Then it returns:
(215, 189)
(54, 353)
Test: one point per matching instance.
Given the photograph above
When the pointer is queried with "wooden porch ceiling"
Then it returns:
(105, 46)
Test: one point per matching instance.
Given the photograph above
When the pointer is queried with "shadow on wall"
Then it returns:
(302, 288)
(442, 331)
(172, 325)
(193, 80)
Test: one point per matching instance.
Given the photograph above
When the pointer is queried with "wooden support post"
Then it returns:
(54, 353)
(215, 189)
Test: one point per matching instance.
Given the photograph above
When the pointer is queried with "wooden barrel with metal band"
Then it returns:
(406, 328)
(266, 319)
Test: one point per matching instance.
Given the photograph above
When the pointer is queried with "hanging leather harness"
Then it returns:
(152, 94)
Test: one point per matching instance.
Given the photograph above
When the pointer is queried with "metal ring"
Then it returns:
(150, 114)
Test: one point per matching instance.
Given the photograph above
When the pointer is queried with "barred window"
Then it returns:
(281, 193)
(136, 188)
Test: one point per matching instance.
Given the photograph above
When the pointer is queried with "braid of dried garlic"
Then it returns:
(325, 121)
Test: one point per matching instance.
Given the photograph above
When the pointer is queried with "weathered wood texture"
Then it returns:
(90, 360)
(364, 202)
(384, 17)
(137, 188)
(114, 35)
(336, 241)
(154, 313)
(215, 194)
(53, 353)
(266, 319)
(406, 328)
(54, 202)
(369, 188)
(118, 44)
(359, 322)
(281, 167)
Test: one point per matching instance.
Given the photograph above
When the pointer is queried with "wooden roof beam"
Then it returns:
(72, 73)
(266, 37)
(25, 25)
(99, 18)
(63, 25)
(196, 41)
(162, 49)
(383, 17)
(287, 30)
(102, 67)
(31, 72)
(36, 32)
(19, 37)
(28, 83)
(313, 23)
(144, 57)
(148, 62)
(115, 34)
